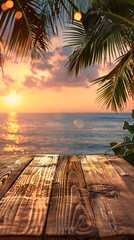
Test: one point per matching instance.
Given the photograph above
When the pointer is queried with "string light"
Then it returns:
(18, 15)
(4, 7)
(9, 4)
(78, 16)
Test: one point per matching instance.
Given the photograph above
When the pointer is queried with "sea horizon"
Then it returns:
(96, 112)
(60, 133)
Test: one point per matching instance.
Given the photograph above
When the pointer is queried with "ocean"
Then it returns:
(60, 133)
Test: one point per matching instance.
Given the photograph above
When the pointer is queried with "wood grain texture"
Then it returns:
(112, 201)
(22, 237)
(89, 238)
(124, 169)
(24, 207)
(70, 212)
(44, 160)
(10, 168)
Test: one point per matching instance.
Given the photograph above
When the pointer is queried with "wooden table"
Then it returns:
(66, 197)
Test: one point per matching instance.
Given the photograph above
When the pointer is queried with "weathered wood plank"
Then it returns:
(111, 199)
(24, 207)
(124, 169)
(10, 168)
(16, 237)
(44, 160)
(93, 238)
(70, 212)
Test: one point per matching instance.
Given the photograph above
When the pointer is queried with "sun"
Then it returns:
(12, 99)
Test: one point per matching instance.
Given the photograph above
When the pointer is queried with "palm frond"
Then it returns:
(1, 59)
(93, 47)
(33, 31)
(75, 34)
(115, 87)
(106, 33)
(20, 36)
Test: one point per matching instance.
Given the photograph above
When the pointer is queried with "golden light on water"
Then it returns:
(12, 136)
(18, 15)
(9, 3)
(78, 16)
(12, 99)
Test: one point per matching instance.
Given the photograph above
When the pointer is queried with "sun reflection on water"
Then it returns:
(12, 134)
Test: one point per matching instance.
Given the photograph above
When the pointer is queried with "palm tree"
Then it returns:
(106, 33)
(30, 32)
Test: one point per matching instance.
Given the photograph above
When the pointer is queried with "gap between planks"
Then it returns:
(11, 166)
(70, 203)
(24, 207)
(111, 198)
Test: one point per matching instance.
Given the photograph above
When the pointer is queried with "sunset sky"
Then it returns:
(46, 87)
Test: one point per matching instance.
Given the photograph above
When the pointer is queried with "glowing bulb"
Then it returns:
(4, 7)
(78, 16)
(9, 4)
(18, 15)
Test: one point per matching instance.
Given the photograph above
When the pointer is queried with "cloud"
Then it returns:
(7, 82)
(50, 74)
(53, 73)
